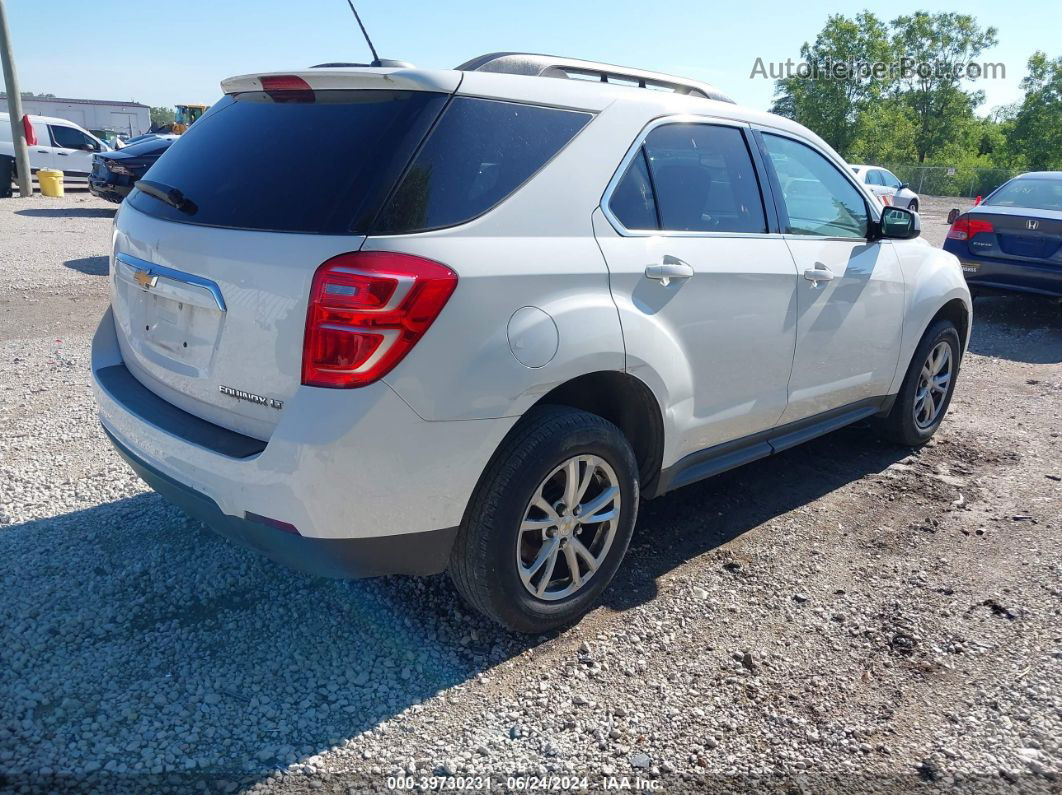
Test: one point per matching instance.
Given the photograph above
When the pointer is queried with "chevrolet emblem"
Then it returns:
(145, 279)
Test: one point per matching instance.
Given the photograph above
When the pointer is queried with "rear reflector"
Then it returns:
(964, 228)
(367, 310)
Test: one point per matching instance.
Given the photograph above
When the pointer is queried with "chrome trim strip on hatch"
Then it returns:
(151, 269)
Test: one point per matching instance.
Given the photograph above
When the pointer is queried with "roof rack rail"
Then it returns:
(537, 65)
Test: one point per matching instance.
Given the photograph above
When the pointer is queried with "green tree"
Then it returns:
(825, 103)
(161, 116)
(939, 48)
(1036, 134)
(884, 134)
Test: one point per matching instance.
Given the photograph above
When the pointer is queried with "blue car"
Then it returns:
(1012, 241)
(113, 173)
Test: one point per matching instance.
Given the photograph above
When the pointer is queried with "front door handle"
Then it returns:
(670, 268)
(820, 273)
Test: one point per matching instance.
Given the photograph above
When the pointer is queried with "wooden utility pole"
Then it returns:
(14, 108)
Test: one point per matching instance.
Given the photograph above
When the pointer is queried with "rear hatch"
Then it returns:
(214, 257)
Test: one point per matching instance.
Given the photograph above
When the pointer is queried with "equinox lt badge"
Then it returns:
(239, 394)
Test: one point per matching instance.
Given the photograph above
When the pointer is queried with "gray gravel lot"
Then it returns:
(848, 615)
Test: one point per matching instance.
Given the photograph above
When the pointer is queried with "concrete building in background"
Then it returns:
(124, 118)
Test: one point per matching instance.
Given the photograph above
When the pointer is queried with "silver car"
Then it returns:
(885, 185)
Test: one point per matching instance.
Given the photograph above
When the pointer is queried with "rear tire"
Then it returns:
(924, 398)
(517, 521)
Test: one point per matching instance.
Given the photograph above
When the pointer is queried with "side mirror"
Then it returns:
(899, 224)
(903, 186)
(90, 147)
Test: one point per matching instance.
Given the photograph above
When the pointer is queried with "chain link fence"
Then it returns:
(952, 180)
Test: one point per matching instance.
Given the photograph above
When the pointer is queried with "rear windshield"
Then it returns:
(1036, 194)
(320, 162)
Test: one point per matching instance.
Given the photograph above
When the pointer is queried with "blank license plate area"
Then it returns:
(172, 324)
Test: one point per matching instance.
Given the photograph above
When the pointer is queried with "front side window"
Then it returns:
(479, 153)
(69, 138)
(818, 199)
(889, 179)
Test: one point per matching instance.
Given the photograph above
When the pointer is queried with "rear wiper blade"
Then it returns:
(166, 194)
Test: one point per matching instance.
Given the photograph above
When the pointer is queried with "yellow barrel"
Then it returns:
(51, 181)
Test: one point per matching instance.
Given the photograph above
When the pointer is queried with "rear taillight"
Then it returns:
(367, 310)
(964, 228)
(27, 127)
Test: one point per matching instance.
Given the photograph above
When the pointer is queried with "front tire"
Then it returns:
(549, 522)
(913, 206)
(927, 388)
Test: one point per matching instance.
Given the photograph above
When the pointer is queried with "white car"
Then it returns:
(392, 320)
(887, 187)
(55, 143)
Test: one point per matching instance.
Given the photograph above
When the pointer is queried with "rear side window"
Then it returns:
(479, 153)
(701, 178)
(874, 178)
(315, 162)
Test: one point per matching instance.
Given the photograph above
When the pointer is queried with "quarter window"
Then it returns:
(632, 202)
(479, 153)
(818, 199)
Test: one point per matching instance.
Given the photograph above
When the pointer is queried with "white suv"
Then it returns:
(390, 320)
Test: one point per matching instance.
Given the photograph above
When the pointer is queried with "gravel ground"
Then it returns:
(848, 615)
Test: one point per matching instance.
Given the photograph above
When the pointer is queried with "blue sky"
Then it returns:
(161, 54)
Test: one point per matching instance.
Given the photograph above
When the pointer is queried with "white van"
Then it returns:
(55, 143)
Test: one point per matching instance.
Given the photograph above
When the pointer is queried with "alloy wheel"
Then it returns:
(568, 527)
(934, 381)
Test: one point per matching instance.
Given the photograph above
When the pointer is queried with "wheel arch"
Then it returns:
(629, 404)
(957, 312)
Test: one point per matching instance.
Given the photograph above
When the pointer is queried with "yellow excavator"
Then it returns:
(186, 114)
(183, 119)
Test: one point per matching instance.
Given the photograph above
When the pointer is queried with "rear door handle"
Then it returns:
(820, 273)
(670, 268)
(64, 154)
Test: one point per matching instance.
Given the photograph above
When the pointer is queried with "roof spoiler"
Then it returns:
(536, 65)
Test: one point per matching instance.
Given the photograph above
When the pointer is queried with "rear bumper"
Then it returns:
(413, 553)
(111, 191)
(994, 273)
(362, 482)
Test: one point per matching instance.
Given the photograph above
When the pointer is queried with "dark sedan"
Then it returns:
(113, 173)
(1012, 241)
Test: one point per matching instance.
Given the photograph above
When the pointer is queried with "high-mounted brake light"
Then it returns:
(367, 310)
(27, 126)
(965, 228)
(287, 88)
